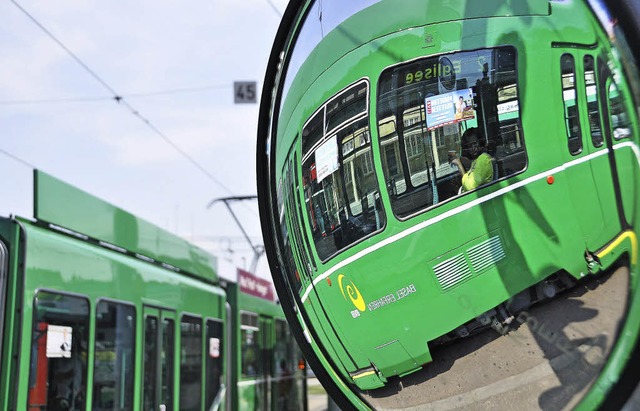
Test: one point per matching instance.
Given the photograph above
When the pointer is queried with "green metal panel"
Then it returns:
(9, 235)
(243, 389)
(63, 205)
(63, 264)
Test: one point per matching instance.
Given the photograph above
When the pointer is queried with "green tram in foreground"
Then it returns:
(378, 250)
(100, 310)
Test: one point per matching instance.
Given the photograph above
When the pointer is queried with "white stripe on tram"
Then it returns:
(463, 208)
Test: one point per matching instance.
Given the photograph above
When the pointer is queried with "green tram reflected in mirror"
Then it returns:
(435, 174)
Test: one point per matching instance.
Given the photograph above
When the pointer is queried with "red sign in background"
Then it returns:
(250, 284)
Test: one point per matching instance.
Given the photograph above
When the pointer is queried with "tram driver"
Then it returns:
(475, 164)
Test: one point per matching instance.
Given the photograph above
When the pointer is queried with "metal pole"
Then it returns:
(239, 225)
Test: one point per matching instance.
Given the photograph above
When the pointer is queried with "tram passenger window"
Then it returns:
(190, 363)
(114, 367)
(426, 105)
(287, 253)
(571, 117)
(339, 181)
(214, 361)
(284, 365)
(158, 353)
(306, 249)
(284, 361)
(251, 362)
(150, 361)
(591, 91)
(58, 372)
(300, 244)
(620, 124)
(167, 361)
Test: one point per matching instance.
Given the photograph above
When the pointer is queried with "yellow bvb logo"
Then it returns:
(354, 294)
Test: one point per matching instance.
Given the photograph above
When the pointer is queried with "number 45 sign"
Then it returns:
(244, 92)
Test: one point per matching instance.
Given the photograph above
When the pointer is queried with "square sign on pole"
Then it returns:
(245, 92)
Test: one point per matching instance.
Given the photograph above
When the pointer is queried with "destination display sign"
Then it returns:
(258, 287)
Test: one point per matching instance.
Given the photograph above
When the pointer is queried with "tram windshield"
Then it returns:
(424, 108)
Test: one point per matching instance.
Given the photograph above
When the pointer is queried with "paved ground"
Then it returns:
(546, 361)
(316, 401)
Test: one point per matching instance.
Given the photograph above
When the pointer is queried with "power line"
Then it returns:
(16, 158)
(54, 100)
(275, 9)
(120, 99)
(178, 91)
(65, 48)
(131, 95)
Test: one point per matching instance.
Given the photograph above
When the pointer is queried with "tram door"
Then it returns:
(252, 382)
(588, 174)
(617, 130)
(158, 359)
(597, 145)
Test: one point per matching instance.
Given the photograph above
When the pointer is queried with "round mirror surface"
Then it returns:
(450, 201)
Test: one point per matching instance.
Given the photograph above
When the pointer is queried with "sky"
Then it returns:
(173, 144)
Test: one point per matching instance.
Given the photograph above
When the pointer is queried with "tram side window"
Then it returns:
(287, 253)
(214, 361)
(620, 124)
(114, 367)
(284, 391)
(297, 228)
(339, 181)
(167, 361)
(424, 108)
(283, 355)
(150, 361)
(59, 341)
(190, 363)
(251, 361)
(571, 118)
(298, 208)
(158, 358)
(591, 91)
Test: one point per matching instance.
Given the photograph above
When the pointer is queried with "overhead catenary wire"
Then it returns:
(275, 9)
(120, 99)
(16, 158)
(54, 100)
(128, 96)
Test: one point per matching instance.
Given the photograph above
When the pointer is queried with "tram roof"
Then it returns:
(327, 41)
(67, 207)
